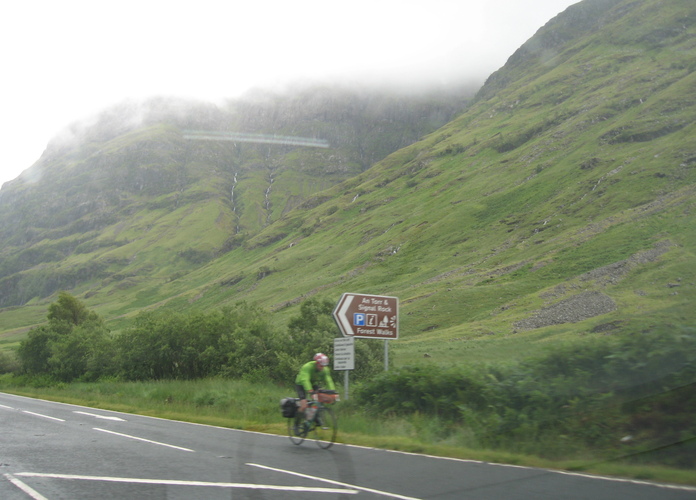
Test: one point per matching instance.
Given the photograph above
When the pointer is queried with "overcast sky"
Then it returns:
(65, 60)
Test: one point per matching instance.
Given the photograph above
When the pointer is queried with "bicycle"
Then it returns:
(322, 427)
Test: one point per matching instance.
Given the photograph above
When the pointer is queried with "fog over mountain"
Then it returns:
(67, 61)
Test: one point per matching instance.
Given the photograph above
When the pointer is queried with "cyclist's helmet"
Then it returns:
(321, 359)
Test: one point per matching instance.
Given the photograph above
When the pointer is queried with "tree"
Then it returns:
(156, 347)
(35, 350)
(85, 353)
(74, 344)
(314, 331)
(235, 342)
(68, 312)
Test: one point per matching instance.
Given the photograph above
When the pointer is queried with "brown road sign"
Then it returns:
(368, 316)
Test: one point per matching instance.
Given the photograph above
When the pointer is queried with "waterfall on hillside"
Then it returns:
(234, 184)
(267, 199)
(233, 203)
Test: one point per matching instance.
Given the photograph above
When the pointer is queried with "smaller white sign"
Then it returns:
(344, 353)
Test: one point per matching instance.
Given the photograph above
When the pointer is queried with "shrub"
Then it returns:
(8, 362)
(589, 393)
(74, 344)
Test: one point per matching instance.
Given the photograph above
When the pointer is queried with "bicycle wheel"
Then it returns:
(296, 429)
(325, 428)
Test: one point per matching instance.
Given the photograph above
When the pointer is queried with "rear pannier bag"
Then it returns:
(288, 407)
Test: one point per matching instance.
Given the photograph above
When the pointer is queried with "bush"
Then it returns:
(588, 394)
(169, 345)
(74, 344)
(8, 362)
(430, 390)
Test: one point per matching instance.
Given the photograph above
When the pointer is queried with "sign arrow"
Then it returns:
(341, 315)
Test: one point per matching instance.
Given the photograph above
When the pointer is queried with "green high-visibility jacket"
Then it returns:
(310, 376)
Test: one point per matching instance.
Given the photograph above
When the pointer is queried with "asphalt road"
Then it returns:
(58, 451)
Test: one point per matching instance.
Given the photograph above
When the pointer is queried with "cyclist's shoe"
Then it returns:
(307, 426)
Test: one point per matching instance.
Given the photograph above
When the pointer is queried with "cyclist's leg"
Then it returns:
(296, 429)
(325, 435)
(301, 393)
(300, 417)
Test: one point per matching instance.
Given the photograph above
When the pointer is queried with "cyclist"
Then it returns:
(310, 374)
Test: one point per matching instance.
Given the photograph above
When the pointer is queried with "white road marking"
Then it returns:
(338, 483)
(631, 481)
(142, 439)
(44, 416)
(8, 407)
(25, 488)
(173, 482)
(104, 417)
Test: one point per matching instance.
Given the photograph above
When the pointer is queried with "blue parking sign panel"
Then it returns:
(358, 319)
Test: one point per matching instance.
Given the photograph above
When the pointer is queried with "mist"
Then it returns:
(67, 61)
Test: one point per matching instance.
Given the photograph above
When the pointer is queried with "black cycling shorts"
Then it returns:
(301, 393)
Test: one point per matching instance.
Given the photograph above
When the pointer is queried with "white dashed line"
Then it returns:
(103, 417)
(44, 416)
(143, 439)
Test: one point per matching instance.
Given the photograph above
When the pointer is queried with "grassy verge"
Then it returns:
(254, 407)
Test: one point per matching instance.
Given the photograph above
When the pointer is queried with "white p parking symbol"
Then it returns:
(359, 319)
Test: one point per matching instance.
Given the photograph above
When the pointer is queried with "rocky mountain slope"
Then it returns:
(560, 202)
(151, 167)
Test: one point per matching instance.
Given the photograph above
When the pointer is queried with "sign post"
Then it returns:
(344, 358)
(368, 317)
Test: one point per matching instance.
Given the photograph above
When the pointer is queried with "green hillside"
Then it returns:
(134, 195)
(558, 204)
